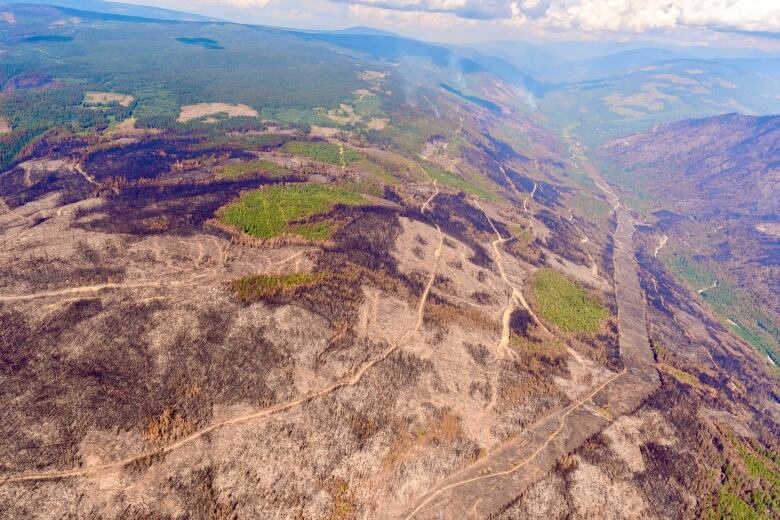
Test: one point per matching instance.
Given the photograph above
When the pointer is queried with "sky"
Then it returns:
(751, 23)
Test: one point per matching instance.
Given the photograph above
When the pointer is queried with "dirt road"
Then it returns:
(257, 415)
(495, 480)
(661, 244)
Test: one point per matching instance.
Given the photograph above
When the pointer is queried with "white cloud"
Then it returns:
(644, 15)
(590, 15)
(694, 21)
(246, 3)
(383, 16)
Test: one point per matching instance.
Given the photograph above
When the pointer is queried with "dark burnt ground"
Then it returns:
(520, 321)
(150, 158)
(546, 194)
(564, 238)
(60, 144)
(66, 181)
(180, 208)
(467, 223)
(666, 290)
(359, 255)
(606, 265)
(486, 163)
(520, 181)
(501, 150)
(114, 381)
(92, 365)
(667, 220)
(89, 265)
(695, 465)
(682, 343)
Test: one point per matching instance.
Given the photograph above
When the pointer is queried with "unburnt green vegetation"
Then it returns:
(753, 325)
(163, 66)
(323, 151)
(368, 105)
(254, 167)
(522, 235)
(751, 485)
(459, 183)
(565, 304)
(277, 210)
(32, 114)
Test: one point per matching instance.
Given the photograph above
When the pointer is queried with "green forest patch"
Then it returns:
(565, 304)
(277, 210)
(322, 151)
(241, 169)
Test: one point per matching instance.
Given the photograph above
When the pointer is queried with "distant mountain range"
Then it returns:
(117, 8)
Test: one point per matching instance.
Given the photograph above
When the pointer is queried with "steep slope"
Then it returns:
(728, 165)
(712, 186)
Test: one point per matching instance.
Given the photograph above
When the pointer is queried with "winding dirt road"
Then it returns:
(496, 480)
(89, 178)
(516, 296)
(702, 291)
(661, 244)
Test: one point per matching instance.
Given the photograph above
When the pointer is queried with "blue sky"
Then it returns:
(718, 22)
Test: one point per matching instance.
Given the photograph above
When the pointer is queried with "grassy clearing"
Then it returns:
(377, 171)
(107, 98)
(253, 167)
(200, 110)
(453, 181)
(548, 350)
(257, 287)
(274, 210)
(391, 167)
(681, 375)
(360, 185)
(244, 142)
(592, 209)
(322, 151)
(565, 304)
(523, 236)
